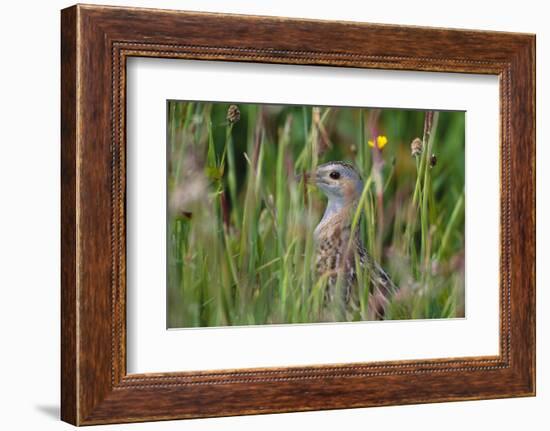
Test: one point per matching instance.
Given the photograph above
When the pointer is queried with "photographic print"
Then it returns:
(287, 214)
(275, 213)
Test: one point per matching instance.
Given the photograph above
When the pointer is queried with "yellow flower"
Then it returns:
(381, 142)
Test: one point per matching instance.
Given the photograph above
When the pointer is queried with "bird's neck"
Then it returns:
(338, 214)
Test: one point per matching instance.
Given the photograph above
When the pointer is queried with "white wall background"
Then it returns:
(29, 215)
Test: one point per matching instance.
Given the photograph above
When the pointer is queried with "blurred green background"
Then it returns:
(240, 226)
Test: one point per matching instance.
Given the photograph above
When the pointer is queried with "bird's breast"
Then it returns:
(331, 245)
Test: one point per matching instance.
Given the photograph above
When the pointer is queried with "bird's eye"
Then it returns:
(334, 175)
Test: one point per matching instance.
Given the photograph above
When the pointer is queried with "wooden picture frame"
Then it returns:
(96, 41)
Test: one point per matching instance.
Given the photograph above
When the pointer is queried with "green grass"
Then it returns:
(240, 226)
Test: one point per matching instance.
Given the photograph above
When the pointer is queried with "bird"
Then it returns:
(339, 249)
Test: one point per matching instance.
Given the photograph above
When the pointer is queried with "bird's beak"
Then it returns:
(311, 178)
(306, 176)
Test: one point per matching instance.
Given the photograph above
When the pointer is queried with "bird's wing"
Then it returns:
(379, 278)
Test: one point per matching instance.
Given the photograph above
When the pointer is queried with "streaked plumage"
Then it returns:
(336, 252)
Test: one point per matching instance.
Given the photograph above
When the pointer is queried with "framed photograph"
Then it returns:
(265, 215)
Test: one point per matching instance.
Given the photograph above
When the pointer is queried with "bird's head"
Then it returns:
(339, 181)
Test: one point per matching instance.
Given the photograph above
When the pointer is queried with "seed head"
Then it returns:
(433, 160)
(416, 147)
(233, 114)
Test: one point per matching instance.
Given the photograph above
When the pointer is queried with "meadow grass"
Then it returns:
(240, 218)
